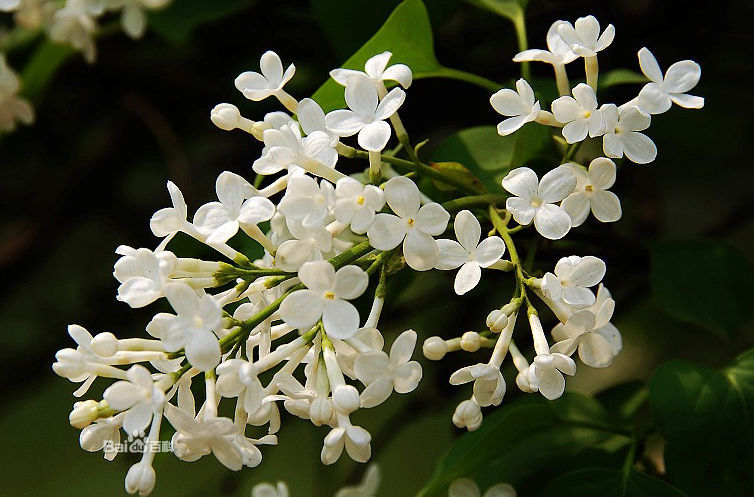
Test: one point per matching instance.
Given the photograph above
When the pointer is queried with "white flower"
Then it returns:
(308, 245)
(546, 374)
(468, 415)
(414, 225)
(382, 374)
(535, 200)
(196, 437)
(489, 385)
(268, 490)
(238, 378)
(584, 37)
(659, 95)
(170, 220)
(356, 203)
(469, 254)
(367, 114)
(103, 434)
(138, 396)
(12, 108)
(463, 487)
(193, 327)
(311, 117)
(622, 134)
(592, 193)
(133, 19)
(376, 70)
(520, 104)
(355, 439)
(73, 24)
(307, 201)
(255, 86)
(239, 205)
(559, 52)
(326, 297)
(572, 279)
(142, 274)
(583, 331)
(579, 114)
(141, 478)
(284, 147)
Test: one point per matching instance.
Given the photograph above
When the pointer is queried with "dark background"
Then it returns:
(91, 171)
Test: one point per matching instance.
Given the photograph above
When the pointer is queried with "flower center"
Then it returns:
(329, 295)
(198, 322)
(360, 200)
(536, 202)
(587, 115)
(411, 222)
(589, 188)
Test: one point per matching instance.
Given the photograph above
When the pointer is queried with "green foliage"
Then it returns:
(522, 438)
(703, 282)
(617, 77)
(178, 21)
(42, 67)
(490, 156)
(512, 9)
(407, 33)
(705, 415)
(598, 482)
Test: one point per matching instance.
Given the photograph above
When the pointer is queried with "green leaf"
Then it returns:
(703, 282)
(490, 156)
(706, 416)
(518, 440)
(178, 21)
(407, 33)
(596, 482)
(512, 9)
(42, 67)
(621, 77)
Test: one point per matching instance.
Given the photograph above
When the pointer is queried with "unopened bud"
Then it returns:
(104, 344)
(321, 411)
(226, 116)
(83, 413)
(471, 341)
(346, 399)
(434, 348)
(468, 415)
(497, 320)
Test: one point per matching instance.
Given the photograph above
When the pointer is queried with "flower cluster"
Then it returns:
(282, 330)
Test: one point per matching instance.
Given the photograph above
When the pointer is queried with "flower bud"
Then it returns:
(140, 478)
(434, 348)
(497, 320)
(468, 415)
(226, 116)
(346, 399)
(70, 363)
(321, 411)
(83, 414)
(104, 344)
(471, 341)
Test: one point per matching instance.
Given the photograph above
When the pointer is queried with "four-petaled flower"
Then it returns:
(356, 203)
(255, 86)
(521, 105)
(622, 135)
(659, 95)
(572, 278)
(592, 193)
(376, 70)
(138, 396)
(579, 114)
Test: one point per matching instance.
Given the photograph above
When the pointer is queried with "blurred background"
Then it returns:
(87, 176)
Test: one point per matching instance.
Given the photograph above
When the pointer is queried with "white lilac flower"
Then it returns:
(382, 373)
(367, 114)
(468, 253)
(591, 193)
(582, 332)
(356, 203)
(546, 371)
(308, 244)
(326, 297)
(558, 51)
(256, 86)
(238, 378)
(284, 147)
(141, 478)
(165, 223)
(377, 71)
(463, 487)
(311, 117)
(521, 105)
(138, 396)
(13, 109)
(269, 490)
(355, 439)
(74, 24)
(197, 436)
(413, 224)
(659, 95)
(535, 201)
(307, 201)
(579, 114)
(489, 385)
(133, 19)
(584, 38)
(104, 435)
(572, 278)
(622, 135)
(194, 326)
(468, 415)
(142, 274)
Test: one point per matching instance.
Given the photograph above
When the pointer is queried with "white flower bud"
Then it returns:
(468, 415)
(70, 363)
(140, 478)
(226, 116)
(434, 348)
(83, 414)
(321, 411)
(104, 344)
(497, 320)
(346, 399)
(471, 341)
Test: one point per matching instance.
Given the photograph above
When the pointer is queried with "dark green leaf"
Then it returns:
(608, 483)
(407, 33)
(44, 63)
(181, 18)
(620, 77)
(703, 282)
(518, 440)
(512, 9)
(490, 156)
(705, 415)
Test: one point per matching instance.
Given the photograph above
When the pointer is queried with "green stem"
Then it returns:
(571, 151)
(474, 201)
(520, 24)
